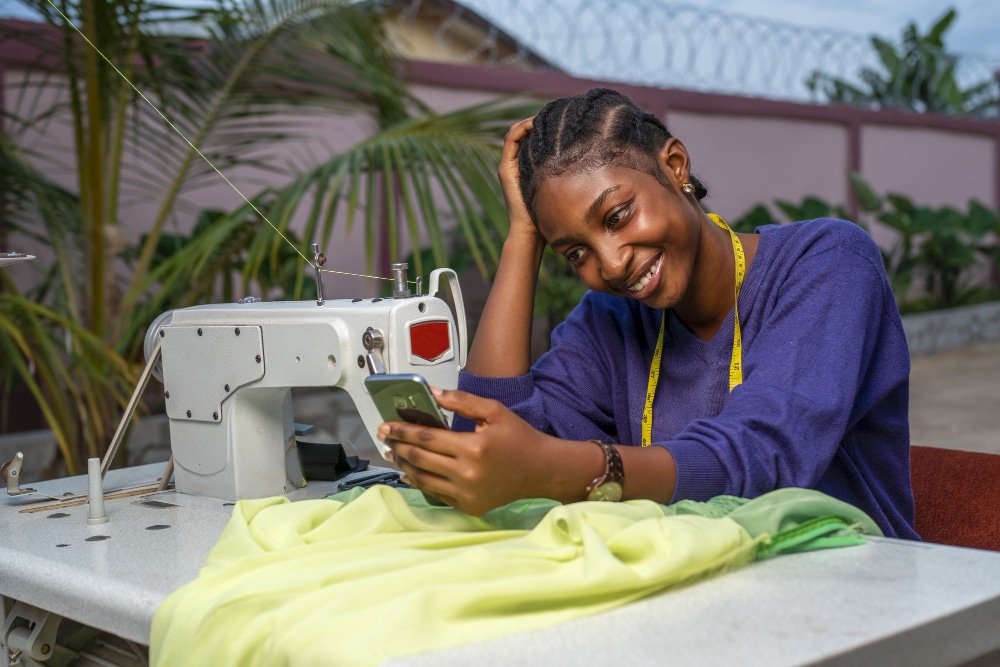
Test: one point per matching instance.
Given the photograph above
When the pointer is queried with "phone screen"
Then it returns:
(405, 398)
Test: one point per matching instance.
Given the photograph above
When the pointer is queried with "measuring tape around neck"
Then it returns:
(736, 363)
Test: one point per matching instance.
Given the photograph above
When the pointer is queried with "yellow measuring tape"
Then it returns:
(735, 365)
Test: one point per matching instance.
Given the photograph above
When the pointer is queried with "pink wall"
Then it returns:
(933, 166)
(747, 161)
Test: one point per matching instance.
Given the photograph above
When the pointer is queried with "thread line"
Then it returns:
(361, 275)
(202, 155)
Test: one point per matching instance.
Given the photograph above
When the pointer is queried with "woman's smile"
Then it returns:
(647, 281)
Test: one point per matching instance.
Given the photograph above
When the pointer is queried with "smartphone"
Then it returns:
(405, 398)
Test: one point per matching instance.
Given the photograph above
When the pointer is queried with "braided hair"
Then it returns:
(589, 131)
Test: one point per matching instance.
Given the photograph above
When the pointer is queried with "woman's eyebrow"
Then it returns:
(594, 210)
(599, 202)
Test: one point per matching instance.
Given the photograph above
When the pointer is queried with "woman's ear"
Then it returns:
(675, 162)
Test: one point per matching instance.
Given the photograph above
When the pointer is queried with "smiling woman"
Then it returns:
(701, 363)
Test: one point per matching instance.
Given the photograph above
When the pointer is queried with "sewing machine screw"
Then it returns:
(189, 413)
(199, 331)
(162, 333)
(227, 388)
(361, 361)
(166, 394)
(215, 416)
(237, 333)
(45, 649)
(258, 358)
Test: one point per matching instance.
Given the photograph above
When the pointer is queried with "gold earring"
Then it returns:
(687, 188)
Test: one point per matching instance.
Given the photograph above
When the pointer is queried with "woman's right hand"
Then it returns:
(520, 219)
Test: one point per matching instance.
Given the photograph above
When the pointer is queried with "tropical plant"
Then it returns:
(75, 379)
(226, 77)
(941, 245)
(809, 208)
(919, 75)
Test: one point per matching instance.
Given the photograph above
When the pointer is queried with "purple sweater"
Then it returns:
(825, 390)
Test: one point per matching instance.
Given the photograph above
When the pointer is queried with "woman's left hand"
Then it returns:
(503, 460)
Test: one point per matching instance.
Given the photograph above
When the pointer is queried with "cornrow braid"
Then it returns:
(588, 131)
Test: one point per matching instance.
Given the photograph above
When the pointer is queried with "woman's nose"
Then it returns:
(614, 259)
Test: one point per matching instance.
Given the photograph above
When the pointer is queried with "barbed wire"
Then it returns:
(663, 44)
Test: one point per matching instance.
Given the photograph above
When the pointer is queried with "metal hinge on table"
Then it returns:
(29, 638)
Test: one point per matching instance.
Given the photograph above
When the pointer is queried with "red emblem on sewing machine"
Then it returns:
(430, 340)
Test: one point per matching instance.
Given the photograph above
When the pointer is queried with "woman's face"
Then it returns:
(624, 231)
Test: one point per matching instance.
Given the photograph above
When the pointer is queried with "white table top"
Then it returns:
(886, 602)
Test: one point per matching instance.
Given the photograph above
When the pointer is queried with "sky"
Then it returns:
(975, 30)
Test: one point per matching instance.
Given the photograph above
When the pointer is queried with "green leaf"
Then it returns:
(756, 217)
(886, 52)
(981, 220)
(900, 203)
(936, 34)
(867, 199)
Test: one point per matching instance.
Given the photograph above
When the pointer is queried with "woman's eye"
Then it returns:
(617, 215)
(574, 256)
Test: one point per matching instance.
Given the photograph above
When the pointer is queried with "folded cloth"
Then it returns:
(368, 575)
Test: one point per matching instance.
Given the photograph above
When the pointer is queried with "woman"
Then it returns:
(804, 383)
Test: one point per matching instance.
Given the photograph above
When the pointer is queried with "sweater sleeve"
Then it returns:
(829, 352)
(568, 392)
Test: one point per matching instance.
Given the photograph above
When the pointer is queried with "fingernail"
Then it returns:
(389, 456)
(436, 391)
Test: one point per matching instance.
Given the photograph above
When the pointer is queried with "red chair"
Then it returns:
(956, 496)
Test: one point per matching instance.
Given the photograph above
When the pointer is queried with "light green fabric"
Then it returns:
(362, 577)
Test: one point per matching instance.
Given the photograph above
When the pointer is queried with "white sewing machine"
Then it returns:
(228, 371)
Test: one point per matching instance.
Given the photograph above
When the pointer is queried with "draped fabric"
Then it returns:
(366, 576)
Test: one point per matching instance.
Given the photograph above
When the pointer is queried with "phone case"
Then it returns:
(405, 398)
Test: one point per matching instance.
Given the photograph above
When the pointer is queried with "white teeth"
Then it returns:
(642, 282)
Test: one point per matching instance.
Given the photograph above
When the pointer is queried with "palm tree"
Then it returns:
(132, 77)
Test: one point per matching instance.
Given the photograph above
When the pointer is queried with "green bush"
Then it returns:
(940, 248)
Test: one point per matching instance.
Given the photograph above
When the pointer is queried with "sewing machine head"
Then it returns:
(228, 371)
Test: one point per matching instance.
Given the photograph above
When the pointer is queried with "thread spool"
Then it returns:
(95, 493)
(400, 289)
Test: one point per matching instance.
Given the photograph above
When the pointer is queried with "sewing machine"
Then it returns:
(228, 371)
